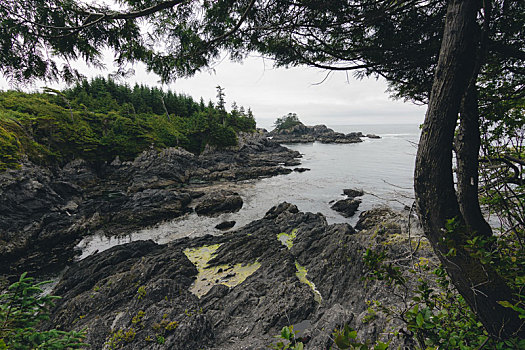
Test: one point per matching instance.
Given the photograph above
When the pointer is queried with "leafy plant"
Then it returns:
(288, 340)
(346, 338)
(117, 339)
(141, 292)
(22, 309)
(160, 339)
(436, 316)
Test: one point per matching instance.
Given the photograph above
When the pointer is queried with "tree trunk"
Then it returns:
(439, 209)
(467, 156)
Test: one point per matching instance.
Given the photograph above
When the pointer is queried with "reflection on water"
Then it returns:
(383, 168)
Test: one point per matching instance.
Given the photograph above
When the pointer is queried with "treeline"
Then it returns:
(105, 95)
(98, 120)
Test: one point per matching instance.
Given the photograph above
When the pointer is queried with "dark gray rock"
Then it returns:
(321, 133)
(225, 225)
(301, 170)
(374, 217)
(372, 136)
(352, 193)
(144, 289)
(37, 210)
(346, 207)
(219, 202)
(45, 212)
(292, 162)
(153, 205)
(355, 134)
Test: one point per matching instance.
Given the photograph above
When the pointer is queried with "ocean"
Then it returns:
(383, 168)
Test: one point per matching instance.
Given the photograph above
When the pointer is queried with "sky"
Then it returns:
(271, 92)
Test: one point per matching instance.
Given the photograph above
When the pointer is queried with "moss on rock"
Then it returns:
(209, 276)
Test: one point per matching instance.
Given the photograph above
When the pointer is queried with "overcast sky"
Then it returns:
(271, 93)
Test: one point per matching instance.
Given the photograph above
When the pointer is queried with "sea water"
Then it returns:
(383, 168)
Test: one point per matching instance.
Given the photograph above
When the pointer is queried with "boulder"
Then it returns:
(374, 217)
(225, 225)
(352, 192)
(219, 202)
(346, 207)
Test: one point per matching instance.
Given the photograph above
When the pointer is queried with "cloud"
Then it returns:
(271, 93)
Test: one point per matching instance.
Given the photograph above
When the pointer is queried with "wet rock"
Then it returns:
(144, 289)
(346, 207)
(292, 162)
(219, 202)
(153, 205)
(373, 136)
(355, 134)
(45, 212)
(337, 138)
(301, 170)
(225, 225)
(352, 193)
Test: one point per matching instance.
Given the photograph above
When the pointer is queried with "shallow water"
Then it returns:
(383, 168)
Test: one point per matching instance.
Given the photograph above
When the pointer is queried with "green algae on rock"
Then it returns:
(301, 274)
(200, 256)
(207, 277)
(287, 238)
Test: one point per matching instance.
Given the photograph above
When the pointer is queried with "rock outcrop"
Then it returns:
(301, 133)
(46, 211)
(352, 192)
(219, 202)
(230, 292)
(346, 207)
(225, 225)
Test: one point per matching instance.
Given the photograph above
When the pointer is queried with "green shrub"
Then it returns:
(22, 309)
(436, 316)
(9, 149)
(100, 120)
(287, 122)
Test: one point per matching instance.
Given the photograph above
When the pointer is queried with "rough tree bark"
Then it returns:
(436, 197)
(468, 144)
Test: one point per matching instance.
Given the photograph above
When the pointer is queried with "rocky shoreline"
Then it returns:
(46, 212)
(235, 291)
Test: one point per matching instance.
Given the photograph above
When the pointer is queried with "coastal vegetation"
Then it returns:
(462, 58)
(287, 122)
(99, 120)
(22, 309)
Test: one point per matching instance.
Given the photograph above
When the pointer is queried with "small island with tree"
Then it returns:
(289, 129)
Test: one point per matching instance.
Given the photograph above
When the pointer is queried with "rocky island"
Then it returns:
(289, 129)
